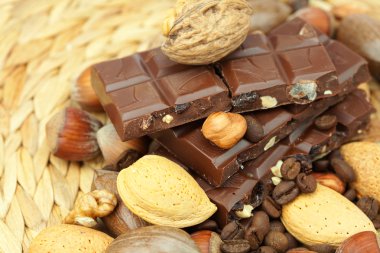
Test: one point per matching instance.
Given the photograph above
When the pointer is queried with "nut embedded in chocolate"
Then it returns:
(285, 192)
(303, 92)
(325, 122)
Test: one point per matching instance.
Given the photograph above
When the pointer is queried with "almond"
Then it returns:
(324, 217)
(70, 238)
(364, 158)
(163, 193)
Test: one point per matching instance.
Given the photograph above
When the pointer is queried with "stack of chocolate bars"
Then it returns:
(283, 81)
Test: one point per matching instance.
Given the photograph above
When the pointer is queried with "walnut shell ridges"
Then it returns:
(207, 30)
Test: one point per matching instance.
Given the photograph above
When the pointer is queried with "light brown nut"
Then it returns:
(119, 154)
(366, 41)
(361, 242)
(330, 180)
(71, 135)
(268, 14)
(320, 19)
(205, 31)
(207, 241)
(84, 94)
(163, 193)
(98, 203)
(154, 239)
(70, 238)
(121, 219)
(224, 129)
(324, 217)
(364, 158)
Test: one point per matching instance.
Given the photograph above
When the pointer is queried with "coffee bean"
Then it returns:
(271, 207)
(321, 165)
(258, 229)
(232, 231)
(343, 170)
(277, 240)
(369, 206)
(290, 168)
(266, 249)
(300, 250)
(277, 225)
(376, 222)
(255, 131)
(322, 248)
(235, 246)
(285, 192)
(325, 122)
(206, 225)
(350, 194)
(306, 183)
(292, 241)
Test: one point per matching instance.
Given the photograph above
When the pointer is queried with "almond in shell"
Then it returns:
(163, 193)
(364, 158)
(324, 217)
(70, 238)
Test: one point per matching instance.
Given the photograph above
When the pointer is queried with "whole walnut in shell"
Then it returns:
(204, 31)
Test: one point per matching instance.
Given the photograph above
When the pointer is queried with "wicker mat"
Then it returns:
(44, 45)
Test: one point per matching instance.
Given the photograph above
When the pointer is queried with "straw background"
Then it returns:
(44, 45)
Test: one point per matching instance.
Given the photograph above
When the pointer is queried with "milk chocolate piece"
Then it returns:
(216, 165)
(146, 92)
(268, 72)
(305, 144)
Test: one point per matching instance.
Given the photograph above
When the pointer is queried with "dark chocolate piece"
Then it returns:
(307, 142)
(147, 92)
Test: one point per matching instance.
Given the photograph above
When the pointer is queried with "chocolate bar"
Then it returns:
(306, 143)
(216, 165)
(146, 92)
(266, 72)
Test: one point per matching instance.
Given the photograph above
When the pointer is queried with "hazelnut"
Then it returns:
(318, 18)
(361, 242)
(84, 94)
(207, 241)
(224, 129)
(71, 135)
(117, 153)
(330, 180)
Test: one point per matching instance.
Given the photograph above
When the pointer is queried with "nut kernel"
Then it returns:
(224, 129)
(270, 143)
(167, 119)
(276, 180)
(276, 170)
(246, 212)
(268, 101)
